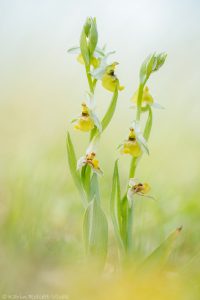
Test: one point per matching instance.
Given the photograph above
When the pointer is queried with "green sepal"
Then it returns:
(93, 37)
(151, 64)
(84, 48)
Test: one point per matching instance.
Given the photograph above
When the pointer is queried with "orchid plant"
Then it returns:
(86, 170)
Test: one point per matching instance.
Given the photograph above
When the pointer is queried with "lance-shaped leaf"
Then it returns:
(111, 109)
(160, 255)
(108, 115)
(95, 231)
(94, 188)
(72, 161)
(115, 204)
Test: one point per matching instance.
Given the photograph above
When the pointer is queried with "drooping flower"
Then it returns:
(90, 160)
(131, 146)
(95, 62)
(141, 189)
(84, 122)
(147, 99)
(110, 80)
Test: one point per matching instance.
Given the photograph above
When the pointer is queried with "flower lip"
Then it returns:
(135, 188)
(90, 159)
(139, 188)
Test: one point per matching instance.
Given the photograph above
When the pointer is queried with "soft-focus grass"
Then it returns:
(41, 213)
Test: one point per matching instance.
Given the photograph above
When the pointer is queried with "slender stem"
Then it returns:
(148, 126)
(139, 101)
(134, 162)
(89, 78)
(133, 167)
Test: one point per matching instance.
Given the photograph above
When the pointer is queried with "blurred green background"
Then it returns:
(42, 88)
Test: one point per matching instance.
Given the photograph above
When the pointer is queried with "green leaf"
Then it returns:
(84, 48)
(160, 255)
(85, 178)
(87, 26)
(93, 37)
(72, 161)
(95, 231)
(108, 115)
(94, 188)
(115, 203)
(111, 109)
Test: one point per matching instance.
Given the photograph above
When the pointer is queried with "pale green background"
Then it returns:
(41, 90)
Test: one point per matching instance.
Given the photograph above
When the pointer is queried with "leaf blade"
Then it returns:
(72, 162)
(95, 231)
(110, 111)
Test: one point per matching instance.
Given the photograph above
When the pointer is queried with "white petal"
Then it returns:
(132, 182)
(157, 105)
(74, 50)
(81, 162)
(90, 101)
(98, 72)
(96, 121)
(142, 142)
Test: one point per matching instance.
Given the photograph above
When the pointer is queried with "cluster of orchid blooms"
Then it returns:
(135, 145)
(95, 61)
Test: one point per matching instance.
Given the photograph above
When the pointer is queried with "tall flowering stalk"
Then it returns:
(86, 170)
(122, 207)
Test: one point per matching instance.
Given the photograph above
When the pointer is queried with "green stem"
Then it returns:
(89, 78)
(148, 126)
(133, 167)
(129, 212)
(139, 101)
